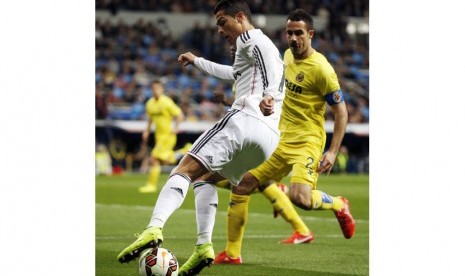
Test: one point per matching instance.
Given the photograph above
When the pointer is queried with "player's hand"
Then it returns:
(326, 162)
(267, 105)
(186, 58)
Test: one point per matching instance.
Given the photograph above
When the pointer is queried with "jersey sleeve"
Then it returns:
(220, 71)
(172, 108)
(328, 80)
(147, 108)
(266, 57)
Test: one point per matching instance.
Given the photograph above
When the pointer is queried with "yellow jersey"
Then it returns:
(308, 83)
(161, 112)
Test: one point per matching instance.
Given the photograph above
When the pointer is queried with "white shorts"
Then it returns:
(235, 144)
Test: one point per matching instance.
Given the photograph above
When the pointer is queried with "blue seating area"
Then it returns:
(130, 56)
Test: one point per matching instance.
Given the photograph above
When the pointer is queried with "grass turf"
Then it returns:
(121, 211)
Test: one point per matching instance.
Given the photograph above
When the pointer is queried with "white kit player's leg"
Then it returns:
(170, 198)
(206, 204)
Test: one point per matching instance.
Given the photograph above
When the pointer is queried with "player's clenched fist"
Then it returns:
(266, 105)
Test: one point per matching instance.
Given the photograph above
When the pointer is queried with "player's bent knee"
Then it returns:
(247, 185)
(301, 200)
(242, 190)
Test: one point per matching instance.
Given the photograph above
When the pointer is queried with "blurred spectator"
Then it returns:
(102, 161)
(343, 7)
(101, 108)
(342, 160)
(118, 155)
(129, 57)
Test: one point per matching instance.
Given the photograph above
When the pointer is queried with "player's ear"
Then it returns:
(240, 16)
(311, 33)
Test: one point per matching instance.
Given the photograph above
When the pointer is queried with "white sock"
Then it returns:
(206, 203)
(170, 198)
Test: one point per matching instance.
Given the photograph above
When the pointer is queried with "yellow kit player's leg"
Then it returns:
(154, 174)
(284, 206)
(323, 201)
(237, 219)
(225, 184)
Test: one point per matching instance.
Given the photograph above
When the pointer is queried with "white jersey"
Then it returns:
(257, 71)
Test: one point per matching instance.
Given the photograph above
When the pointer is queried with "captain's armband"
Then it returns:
(334, 97)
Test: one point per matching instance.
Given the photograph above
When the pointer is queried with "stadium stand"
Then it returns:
(131, 53)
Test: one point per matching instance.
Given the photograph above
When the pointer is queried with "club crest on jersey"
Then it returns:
(299, 77)
(337, 97)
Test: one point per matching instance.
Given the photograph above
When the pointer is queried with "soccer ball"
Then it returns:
(158, 262)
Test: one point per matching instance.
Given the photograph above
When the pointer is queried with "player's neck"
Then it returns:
(306, 54)
(247, 27)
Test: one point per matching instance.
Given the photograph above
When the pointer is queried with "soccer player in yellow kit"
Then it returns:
(161, 111)
(310, 82)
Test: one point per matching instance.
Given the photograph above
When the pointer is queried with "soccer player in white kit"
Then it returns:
(245, 137)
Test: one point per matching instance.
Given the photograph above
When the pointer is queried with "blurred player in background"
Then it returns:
(311, 82)
(161, 111)
(244, 138)
(102, 161)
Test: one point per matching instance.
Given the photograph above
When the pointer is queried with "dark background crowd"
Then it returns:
(358, 8)
(128, 57)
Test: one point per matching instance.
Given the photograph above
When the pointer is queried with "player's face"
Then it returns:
(298, 38)
(228, 27)
(157, 90)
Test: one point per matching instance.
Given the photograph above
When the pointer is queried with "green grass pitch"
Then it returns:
(121, 211)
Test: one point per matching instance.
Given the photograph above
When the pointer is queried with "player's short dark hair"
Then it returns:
(301, 15)
(232, 7)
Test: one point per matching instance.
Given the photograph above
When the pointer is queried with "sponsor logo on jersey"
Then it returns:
(235, 75)
(299, 77)
(292, 87)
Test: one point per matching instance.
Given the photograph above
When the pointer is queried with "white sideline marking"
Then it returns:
(223, 213)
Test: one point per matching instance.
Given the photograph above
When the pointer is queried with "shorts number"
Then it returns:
(309, 165)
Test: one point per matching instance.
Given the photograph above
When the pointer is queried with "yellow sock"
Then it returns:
(223, 184)
(154, 174)
(323, 201)
(282, 203)
(237, 219)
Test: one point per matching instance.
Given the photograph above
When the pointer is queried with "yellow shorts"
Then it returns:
(163, 149)
(301, 159)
